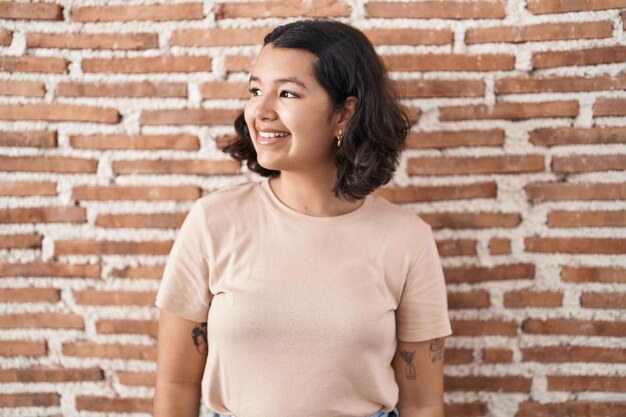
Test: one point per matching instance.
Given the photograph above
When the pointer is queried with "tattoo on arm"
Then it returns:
(409, 368)
(436, 350)
(199, 337)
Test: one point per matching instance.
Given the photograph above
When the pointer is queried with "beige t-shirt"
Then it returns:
(304, 311)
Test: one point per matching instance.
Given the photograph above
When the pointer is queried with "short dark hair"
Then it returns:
(346, 65)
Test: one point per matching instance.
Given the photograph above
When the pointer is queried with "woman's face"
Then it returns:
(287, 100)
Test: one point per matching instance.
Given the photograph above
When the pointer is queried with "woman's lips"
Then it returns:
(271, 141)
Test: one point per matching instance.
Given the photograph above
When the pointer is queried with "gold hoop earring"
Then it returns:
(339, 137)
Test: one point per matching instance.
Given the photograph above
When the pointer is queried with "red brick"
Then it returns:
(225, 89)
(30, 295)
(219, 36)
(572, 353)
(455, 165)
(603, 300)
(140, 272)
(25, 188)
(31, 399)
(21, 88)
(464, 220)
(177, 166)
(113, 405)
(474, 299)
(14, 64)
(41, 320)
(475, 274)
(141, 142)
(110, 298)
(238, 63)
(201, 117)
(609, 107)
(6, 37)
(540, 32)
(151, 220)
(409, 36)
(458, 356)
(497, 355)
(474, 409)
(415, 193)
(21, 241)
(136, 192)
(144, 65)
(563, 218)
(265, 9)
(456, 247)
(29, 138)
(52, 269)
(30, 11)
(43, 374)
(574, 245)
(113, 41)
(110, 351)
(591, 56)
(487, 383)
(43, 215)
(526, 84)
(529, 298)
(129, 13)
(23, 348)
(593, 274)
(449, 62)
(586, 383)
(129, 89)
(572, 409)
(575, 327)
(561, 6)
(48, 164)
(436, 10)
(484, 328)
(147, 379)
(147, 327)
(510, 111)
(588, 163)
(556, 191)
(575, 136)
(120, 247)
(451, 139)
(59, 113)
(499, 246)
(439, 88)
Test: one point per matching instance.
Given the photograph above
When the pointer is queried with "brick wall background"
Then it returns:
(112, 116)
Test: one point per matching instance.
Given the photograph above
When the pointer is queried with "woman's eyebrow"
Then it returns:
(282, 80)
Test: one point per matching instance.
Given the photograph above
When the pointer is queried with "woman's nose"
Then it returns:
(265, 109)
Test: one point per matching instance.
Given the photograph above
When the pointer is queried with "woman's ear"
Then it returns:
(348, 110)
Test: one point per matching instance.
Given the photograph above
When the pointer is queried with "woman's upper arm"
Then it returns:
(181, 350)
(418, 369)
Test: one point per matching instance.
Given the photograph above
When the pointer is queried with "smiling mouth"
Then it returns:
(271, 135)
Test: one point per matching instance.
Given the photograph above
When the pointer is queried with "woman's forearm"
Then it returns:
(425, 411)
(176, 400)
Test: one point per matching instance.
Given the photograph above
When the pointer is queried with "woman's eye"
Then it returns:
(253, 91)
(288, 92)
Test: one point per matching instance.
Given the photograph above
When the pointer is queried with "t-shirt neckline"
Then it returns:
(286, 211)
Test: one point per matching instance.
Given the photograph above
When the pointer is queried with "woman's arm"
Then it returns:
(181, 355)
(419, 373)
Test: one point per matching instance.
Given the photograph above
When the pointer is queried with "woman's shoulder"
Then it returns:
(230, 198)
(399, 216)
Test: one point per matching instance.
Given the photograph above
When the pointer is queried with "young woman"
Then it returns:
(304, 294)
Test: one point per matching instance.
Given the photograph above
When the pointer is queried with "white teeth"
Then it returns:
(272, 135)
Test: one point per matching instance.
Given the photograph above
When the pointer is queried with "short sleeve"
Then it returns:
(184, 288)
(422, 313)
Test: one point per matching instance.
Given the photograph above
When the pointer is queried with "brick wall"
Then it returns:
(112, 117)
